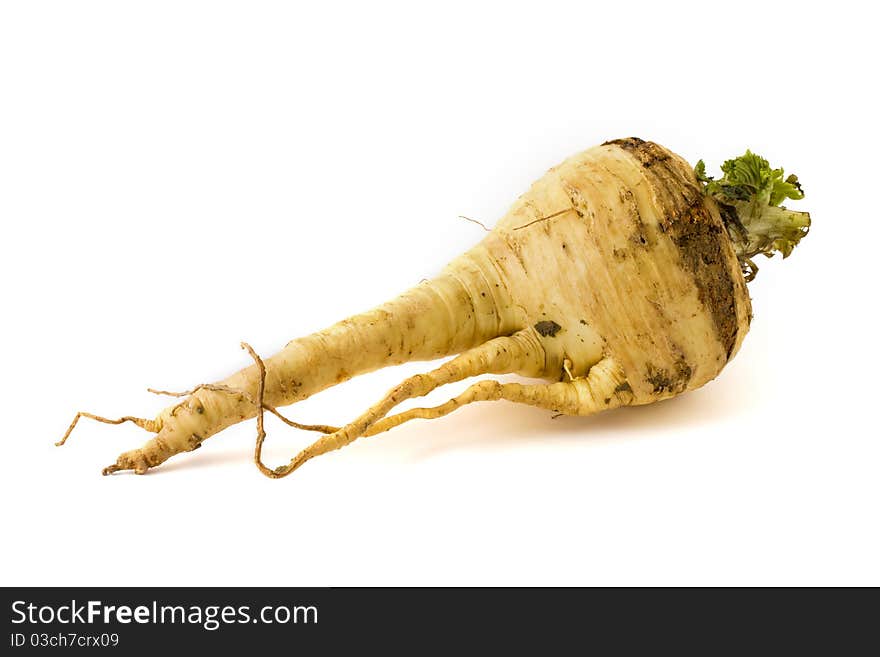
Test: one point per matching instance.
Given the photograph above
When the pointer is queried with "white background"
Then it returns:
(178, 176)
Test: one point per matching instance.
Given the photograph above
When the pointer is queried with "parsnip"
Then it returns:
(619, 277)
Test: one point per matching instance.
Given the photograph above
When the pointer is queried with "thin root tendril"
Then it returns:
(149, 425)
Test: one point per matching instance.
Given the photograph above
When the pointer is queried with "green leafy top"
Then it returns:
(749, 195)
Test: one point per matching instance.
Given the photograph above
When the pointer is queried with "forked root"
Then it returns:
(518, 352)
(481, 391)
(603, 388)
(581, 396)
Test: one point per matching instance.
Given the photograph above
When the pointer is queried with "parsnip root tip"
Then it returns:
(152, 426)
(134, 460)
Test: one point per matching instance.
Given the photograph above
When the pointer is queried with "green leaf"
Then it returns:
(783, 189)
(753, 191)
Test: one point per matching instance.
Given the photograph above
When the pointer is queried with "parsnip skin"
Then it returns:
(615, 255)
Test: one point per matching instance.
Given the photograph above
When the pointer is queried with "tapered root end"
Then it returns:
(134, 460)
